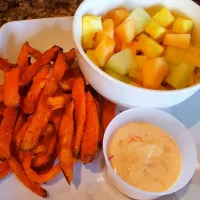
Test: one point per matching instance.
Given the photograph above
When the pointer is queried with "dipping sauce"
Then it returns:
(145, 156)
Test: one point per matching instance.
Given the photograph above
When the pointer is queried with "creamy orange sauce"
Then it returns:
(145, 156)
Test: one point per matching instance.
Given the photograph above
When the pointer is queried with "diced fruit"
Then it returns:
(197, 75)
(90, 25)
(164, 18)
(154, 71)
(104, 50)
(91, 56)
(117, 45)
(150, 47)
(174, 55)
(125, 32)
(136, 84)
(162, 88)
(182, 25)
(134, 46)
(98, 38)
(125, 79)
(141, 18)
(192, 55)
(136, 75)
(108, 27)
(171, 68)
(177, 40)
(192, 79)
(155, 30)
(121, 62)
(140, 61)
(119, 15)
(180, 77)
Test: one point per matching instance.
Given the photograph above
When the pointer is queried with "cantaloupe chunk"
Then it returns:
(140, 61)
(119, 15)
(134, 46)
(90, 25)
(136, 84)
(108, 27)
(117, 45)
(177, 40)
(197, 76)
(150, 47)
(141, 18)
(108, 15)
(156, 31)
(91, 56)
(182, 25)
(192, 55)
(125, 32)
(104, 50)
(180, 76)
(98, 38)
(154, 71)
(192, 79)
(136, 75)
(164, 18)
(174, 55)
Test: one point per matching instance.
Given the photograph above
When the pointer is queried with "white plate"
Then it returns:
(90, 181)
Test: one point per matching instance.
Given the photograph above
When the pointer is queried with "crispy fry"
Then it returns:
(34, 53)
(91, 132)
(70, 56)
(4, 64)
(19, 172)
(66, 134)
(23, 60)
(58, 102)
(30, 72)
(40, 149)
(1, 92)
(4, 169)
(78, 93)
(11, 87)
(48, 129)
(67, 85)
(32, 98)
(21, 134)
(34, 176)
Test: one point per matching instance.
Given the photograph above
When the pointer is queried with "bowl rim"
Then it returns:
(128, 186)
(108, 77)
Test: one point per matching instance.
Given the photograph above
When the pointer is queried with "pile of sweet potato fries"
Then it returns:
(47, 111)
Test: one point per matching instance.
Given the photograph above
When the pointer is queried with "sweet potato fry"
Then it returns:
(23, 60)
(19, 172)
(32, 98)
(19, 136)
(40, 149)
(66, 85)
(34, 53)
(58, 102)
(78, 93)
(70, 56)
(48, 129)
(4, 169)
(4, 64)
(30, 72)
(91, 132)
(11, 87)
(1, 92)
(66, 134)
(34, 176)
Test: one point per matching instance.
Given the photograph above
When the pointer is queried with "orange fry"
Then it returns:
(34, 53)
(1, 92)
(58, 102)
(11, 87)
(21, 134)
(66, 134)
(70, 56)
(4, 169)
(91, 132)
(30, 72)
(4, 64)
(34, 176)
(78, 93)
(23, 60)
(32, 98)
(66, 85)
(48, 129)
(40, 149)
(19, 172)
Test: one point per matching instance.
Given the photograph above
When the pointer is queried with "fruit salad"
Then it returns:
(143, 50)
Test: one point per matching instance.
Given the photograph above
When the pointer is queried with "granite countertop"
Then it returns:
(12, 10)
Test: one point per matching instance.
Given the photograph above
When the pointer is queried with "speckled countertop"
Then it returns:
(11, 10)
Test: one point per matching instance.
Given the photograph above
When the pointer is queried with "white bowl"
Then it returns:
(117, 91)
(174, 128)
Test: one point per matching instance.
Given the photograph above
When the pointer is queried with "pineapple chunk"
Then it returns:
(197, 76)
(91, 56)
(119, 15)
(154, 71)
(98, 38)
(104, 50)
(180, 76)
(125, 32)
(108, 28)
(155, 30)
(182, 25)
(192, 55)
(177, 40)
(122, 62)
(192, 79)
(150, 47)
(141, 18)
(136, 75)
(90, 25)
(174, 55)
(164, 18)
(140, 61)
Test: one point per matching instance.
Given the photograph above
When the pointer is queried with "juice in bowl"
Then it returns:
(148, 153)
